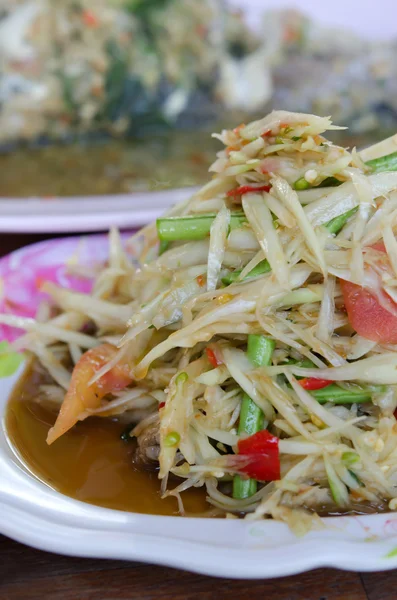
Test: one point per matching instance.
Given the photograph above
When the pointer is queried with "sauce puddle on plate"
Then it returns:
(89, 463)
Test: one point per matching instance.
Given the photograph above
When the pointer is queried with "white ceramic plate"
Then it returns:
(33, 513)
(86, 213)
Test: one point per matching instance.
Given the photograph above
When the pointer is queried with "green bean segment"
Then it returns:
(260, 350)
(163, 247)
(335, 225)
(260, 269)
(384, 163)
(337, 395)
(173, 229)
(378, 165)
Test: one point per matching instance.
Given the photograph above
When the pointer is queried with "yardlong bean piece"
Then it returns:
(173, 229)
(383, 163)
(335, 225)
(260, 350)
(337, 395)
(260, 269)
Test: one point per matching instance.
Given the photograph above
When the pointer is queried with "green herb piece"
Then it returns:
(392, 553)
(10, 361)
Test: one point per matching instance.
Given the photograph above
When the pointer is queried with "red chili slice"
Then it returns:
(214, 361)
(90, 19)
(245, 189)
(237, 129)
(366, 315)
(258, 456)
(312, 383)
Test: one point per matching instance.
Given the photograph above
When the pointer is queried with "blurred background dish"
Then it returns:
(108, 97)
(86, 213)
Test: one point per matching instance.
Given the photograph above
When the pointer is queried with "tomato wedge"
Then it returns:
(82, 396)
(366, 315)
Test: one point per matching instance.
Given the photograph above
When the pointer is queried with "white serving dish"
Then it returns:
(86, 213)
(33, 513)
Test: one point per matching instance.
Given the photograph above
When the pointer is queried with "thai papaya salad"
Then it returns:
(253, 351)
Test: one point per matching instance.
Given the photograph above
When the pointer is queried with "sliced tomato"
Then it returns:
(82, 396)
(366, 315)
(90, 19)
(380, 246)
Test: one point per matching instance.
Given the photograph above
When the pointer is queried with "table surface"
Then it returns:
(28, 574)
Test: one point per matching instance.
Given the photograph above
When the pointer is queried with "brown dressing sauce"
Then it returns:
(90, 463)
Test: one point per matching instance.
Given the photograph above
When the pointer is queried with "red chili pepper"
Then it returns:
(215, 362)
(161, 405)
(258, 456)
(230, 149)
(90, 19)
(200, 280)
(267, 133)
(237, 129)
(312, 383)
(201, 30)
(244, 189)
